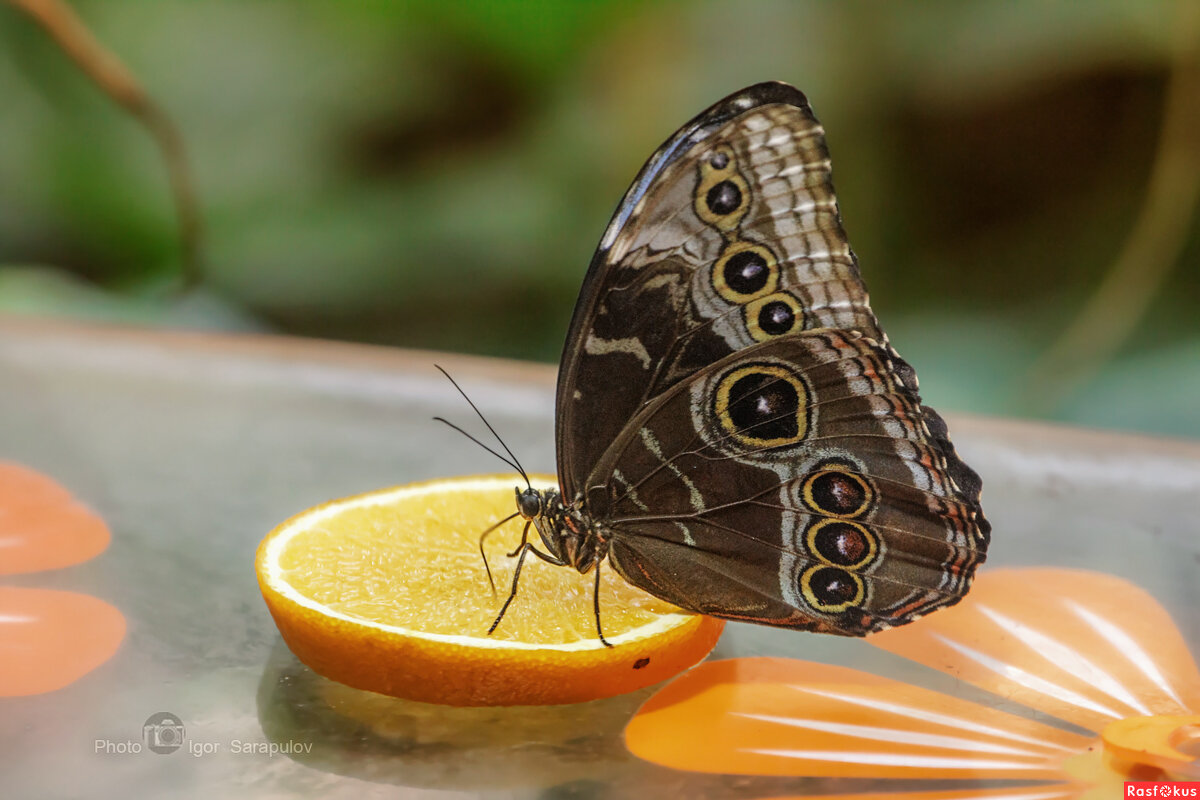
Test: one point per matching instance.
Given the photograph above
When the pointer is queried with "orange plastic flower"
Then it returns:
(48, 638)
(1089, 649)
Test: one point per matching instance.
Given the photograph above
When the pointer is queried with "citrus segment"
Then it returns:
(387, 592)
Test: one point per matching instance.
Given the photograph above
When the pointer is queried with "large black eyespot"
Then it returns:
(837, 492)
(831, 589)
(763, 406)
(746, 272)
(723, 198)
(776, 318)
(841, 544)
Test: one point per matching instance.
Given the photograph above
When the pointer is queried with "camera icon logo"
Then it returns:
(163, 732)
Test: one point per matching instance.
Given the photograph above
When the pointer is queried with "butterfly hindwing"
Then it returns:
(798, 482)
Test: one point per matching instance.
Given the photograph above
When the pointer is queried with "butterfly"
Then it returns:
(735, 435)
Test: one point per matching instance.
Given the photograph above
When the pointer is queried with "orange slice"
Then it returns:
(386, 591)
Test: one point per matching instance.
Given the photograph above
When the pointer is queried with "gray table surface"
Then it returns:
(193, 446)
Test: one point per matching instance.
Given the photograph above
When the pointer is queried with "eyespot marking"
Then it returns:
(724, 198)
(722, 194)
(774, 315)
(762, 406)
(835, 491)
(831, 590)
(841, 543)
(745, 271)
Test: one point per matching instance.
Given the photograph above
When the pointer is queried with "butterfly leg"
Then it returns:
(524, 550)
(596, 603)
(524, 539)
(484, 535)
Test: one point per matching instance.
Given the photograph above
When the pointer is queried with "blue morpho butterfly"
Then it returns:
(735, 434)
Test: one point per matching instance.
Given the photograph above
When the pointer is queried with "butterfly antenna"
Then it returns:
(448, 423)
(512, 460)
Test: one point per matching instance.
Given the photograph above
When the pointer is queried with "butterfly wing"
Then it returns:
(798, 482)
(729, 236)
(730, 414)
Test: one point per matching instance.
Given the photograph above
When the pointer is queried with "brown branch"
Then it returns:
(110, 75)
(1152, 248)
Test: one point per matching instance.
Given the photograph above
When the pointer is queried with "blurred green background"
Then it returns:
(436, 175)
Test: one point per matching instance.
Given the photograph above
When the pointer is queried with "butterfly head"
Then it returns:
(562, 528)
(530, 503)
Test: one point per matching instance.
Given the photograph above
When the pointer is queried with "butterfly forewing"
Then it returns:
(729, 236)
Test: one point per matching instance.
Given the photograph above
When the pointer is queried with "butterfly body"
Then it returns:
(735, 433)
(569, 536)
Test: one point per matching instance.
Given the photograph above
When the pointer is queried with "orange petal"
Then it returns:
(1085, 647)
(1059, 791)
(1163, 742)
(42, 526)
(766, 716)
(49, 639)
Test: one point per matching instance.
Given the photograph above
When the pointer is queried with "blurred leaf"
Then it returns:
(47, 292)
(1153, 392)
(431, 174)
